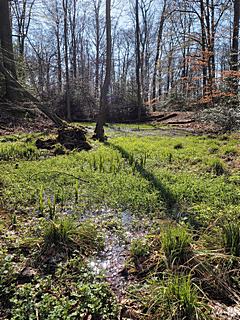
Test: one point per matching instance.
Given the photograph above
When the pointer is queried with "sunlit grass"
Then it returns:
(138, 173)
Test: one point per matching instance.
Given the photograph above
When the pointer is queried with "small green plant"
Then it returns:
(230, 151)
(131, 159)
(94, 163)
(74, 294)
(143, 159)
(139, 248)
(174, 297)
(169, 157)
(181, 299)
(14, 220)
(176, 245)
(52, 207)
(18, 150)
(101, 163)
(7, 275)
(231, 237)
(59, 197)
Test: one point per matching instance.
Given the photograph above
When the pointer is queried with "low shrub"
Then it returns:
(225, 115)
(6, 274)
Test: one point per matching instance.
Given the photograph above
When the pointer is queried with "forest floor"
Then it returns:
(188, 121)
(144, 226)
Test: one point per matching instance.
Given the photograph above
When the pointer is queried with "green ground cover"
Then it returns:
(189, 183)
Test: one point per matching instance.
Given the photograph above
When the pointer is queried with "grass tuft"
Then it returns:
(176, 245)
(173, 298)
(65, 235)
(60, 234)
(231, 236)
(217, 167)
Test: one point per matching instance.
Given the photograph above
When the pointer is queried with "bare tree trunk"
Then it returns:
(209, 50)
(234, 63)
(73, 40)
(203, 44)
(97, 5)
(138, 61)
(169, 69)
(104, 100)
(212, 41)
(59, 58)
(6, 48)
(159, 41)
(67, 91)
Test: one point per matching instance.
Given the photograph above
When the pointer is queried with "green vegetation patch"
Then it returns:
(73, 293)
(180, 193)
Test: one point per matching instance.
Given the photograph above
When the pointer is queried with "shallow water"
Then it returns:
(111, 262)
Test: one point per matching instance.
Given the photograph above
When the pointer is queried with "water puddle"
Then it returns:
(111, 262)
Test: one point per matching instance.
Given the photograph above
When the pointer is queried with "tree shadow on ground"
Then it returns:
(165, 194)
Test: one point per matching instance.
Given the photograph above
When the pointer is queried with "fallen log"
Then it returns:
(160, 117)
(169, 116)
(181, 121)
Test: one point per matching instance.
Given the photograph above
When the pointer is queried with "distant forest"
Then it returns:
(177, 54)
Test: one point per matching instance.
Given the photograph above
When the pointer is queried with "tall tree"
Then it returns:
(14, 90)
(159, 43)
(97, 43)
(234, 63)
(104, 100)
(66, 58)
(138, 60)
(6, 46)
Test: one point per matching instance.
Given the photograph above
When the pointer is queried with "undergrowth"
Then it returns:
(73, 293)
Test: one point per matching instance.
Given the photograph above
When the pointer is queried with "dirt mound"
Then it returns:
(22, 118)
